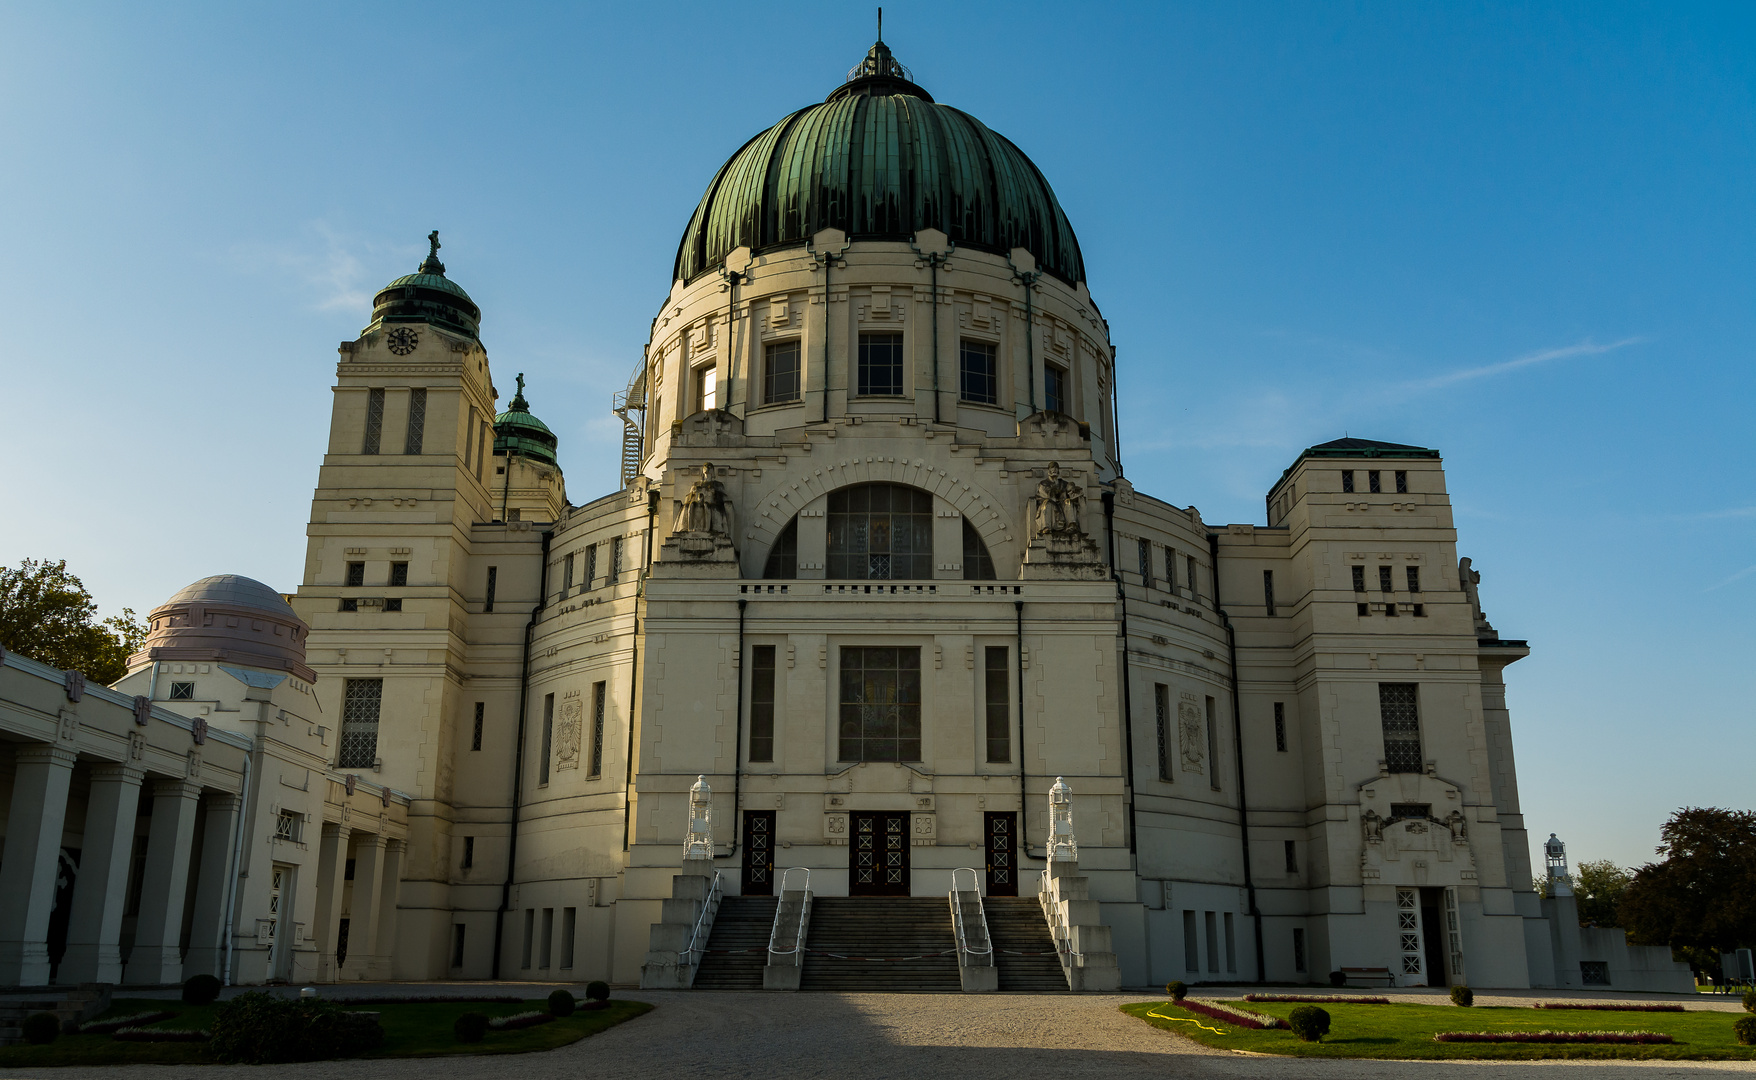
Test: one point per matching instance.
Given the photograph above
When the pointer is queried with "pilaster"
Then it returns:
(94, 926)
(157, 957)
(33, 850)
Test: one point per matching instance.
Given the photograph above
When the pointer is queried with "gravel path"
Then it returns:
(906, 1036)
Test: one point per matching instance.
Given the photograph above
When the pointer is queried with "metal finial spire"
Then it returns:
(432, 265)
(880, 24)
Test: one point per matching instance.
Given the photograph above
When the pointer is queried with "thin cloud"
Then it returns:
(1584, 348)
(332, 266)
(1739, 576)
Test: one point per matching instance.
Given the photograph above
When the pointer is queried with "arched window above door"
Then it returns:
(880, 532)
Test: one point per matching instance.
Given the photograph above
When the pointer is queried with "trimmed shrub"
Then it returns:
(200, 990)
(561, 1004)
(1745, 1028)
(1177, 989)
(597, 990)
(470, 1027)
(41, 1027)
(1750, 1001)
(1338, 979)
(1309, 1023)
(1463, 995)
(259, 1029)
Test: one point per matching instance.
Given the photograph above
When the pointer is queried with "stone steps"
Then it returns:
(881, 927)
(1017, 923)
(742, 923)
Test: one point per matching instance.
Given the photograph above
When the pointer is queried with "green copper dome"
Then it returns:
(880, 160)
(516, 431)
(428, 296)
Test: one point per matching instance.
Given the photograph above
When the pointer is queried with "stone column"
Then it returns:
(32, 858)
(94, 924)
(363, 909)
(332, 865)
(156, 959)
(388, 894)
(213, 886)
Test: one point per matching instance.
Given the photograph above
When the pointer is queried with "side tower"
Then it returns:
(417, 592)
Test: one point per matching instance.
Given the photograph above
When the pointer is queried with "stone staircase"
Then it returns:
(881, 926)
(737, 950)
(1016, 923)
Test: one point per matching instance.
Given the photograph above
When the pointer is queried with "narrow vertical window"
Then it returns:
(1359, 579)
(481, 447)
(1402, 727)
(1347, 481)
(548, 737)
(997, 696)
(1171, 569)
(1212, 746)
(706, 389)
(469, 444)
(1161, 705)
(1194, 582)
(548, 941)
(780, 373)
(615, 560)
(1191, 943)
(591, 567)
(1292, 854)
(475, 739)
(1385, 584)
(456, 945)
(417, 420)
(374, 420)
(1414, 579)
(566, 576)
(1372, 482)
(762, 703)
(978, 380)
(356, 574)
(880, 368)
(1402, 482)
(1280, 726)
(469, 852)
(1055, 398)
(493, 585)
(597, 730)
(1145, 555)
(1298, 949)
(361, 701)
(569, 923)
(1231, 942)
(1268, 591)
(399, 573)
(530, 927)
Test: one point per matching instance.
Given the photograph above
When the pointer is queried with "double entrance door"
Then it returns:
(878, 854)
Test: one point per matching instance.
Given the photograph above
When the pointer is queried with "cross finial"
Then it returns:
(433, 238)
(432, 265)
(520, 384)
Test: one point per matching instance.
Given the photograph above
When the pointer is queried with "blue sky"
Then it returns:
(1519, 233)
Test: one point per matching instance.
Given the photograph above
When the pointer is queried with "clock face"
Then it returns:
(402, 340)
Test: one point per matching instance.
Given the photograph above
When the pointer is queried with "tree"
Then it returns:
(1703, 894)
(1599, 886)
(47, 615)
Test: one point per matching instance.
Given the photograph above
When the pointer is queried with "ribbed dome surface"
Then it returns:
(234, 589)
(880, 160)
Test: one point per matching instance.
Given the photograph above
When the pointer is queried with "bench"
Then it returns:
(1368, 976)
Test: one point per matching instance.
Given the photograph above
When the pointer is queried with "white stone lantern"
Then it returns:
(698, 844)
(1062, 847)
(1555, 855)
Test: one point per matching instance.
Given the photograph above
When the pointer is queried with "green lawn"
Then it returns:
(409, 1031)
(1406, 1031)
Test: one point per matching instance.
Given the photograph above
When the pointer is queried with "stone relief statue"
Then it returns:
(1189, 729)
(1471, 580)
(1372, 826)
(1056, 506)
(706, 509)
(1455, 822)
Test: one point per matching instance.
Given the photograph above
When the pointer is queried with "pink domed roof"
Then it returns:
(229, 619)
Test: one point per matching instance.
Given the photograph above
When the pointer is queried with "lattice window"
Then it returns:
(978, 373)
(286, 826)
(1402, 727)
(1145, 555)
(597, 730)
(997, 696)
(780, 374)
(361, 702)
(374, 420)
(182, 691)
(762, 679)
(880, 365)
(417, 420)
(880, 532)
(1162, 709)
(1408, 921)
(880, 704)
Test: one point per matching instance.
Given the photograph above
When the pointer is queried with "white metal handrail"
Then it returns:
(1055, 909)
(957, 915)
(709, 907)
(804, 914)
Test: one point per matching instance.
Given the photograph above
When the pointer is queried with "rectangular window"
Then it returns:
(548, 941)
(286, 826)
(548, 737)
(706, 389)
(1292, 853)
(469, 852)
(880, 365)
(1171, 569)
(1191, 943)
(1414, 579)
(1194, 582)
(399, 573)
(1363, 609)
(417, 420)
(1359, 579)
(1401, 482)
(374, 420)
(1212, 746)
(356, 574)
(469, 446)
(1594, 973)
(997, 696)
(1390, 610)
(597, 730)
(1299, 963)
(1402, 727)
(569, 921)
(481, 447)
(1280, 726)
(1347, 481)
(1212, 941)
(1372, 483)
(361, 699)
(780, 373)
(566, 576)
(1420, 611)
(1145, 547)
(456, 945)
(182, 691)
(1231, 942)
(591, 567)
(475, 739)
(493, 586)
(1268, 591)
(978, 373)
(1161, 706)
(615, 574)
(1055, 397)
(530, 931)
(393, 603)
(762, 704)
(1385, 584)
(880, 704)
(347, 871)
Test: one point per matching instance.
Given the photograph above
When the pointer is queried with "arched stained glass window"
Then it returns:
(880, 532)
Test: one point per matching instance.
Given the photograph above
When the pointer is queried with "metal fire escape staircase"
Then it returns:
(632, 400)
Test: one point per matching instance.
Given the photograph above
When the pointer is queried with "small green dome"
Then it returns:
(880, 160)
(516, 431)
(428, 296)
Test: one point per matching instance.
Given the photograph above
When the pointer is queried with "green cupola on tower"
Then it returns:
(516, 431)
(427, 296)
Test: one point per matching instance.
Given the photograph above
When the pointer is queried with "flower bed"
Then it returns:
(159, 1035)
(1313, 999)
(429, 1000)
(1607, 1008)
(1553, 1037)
(519, 1020)
(110, 1027)
(1213, 1010)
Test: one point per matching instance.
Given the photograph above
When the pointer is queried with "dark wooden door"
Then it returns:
(878, 857)
(758, 853)
(1002, 854)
